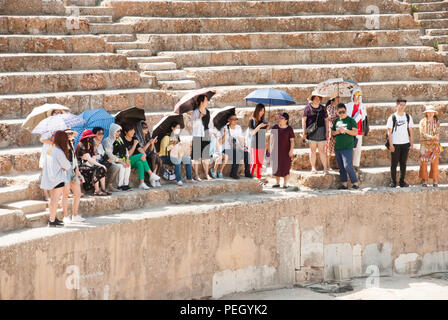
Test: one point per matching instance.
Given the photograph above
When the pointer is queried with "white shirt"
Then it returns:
(196, 123)
(52, 173)
(400, 133)
(236, 133)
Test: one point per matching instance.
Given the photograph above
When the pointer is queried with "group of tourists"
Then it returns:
(102, 165)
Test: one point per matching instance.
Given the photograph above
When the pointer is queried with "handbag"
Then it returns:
(312, 128)
(365, 126)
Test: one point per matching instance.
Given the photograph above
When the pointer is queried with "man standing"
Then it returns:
(400, 141)
(357, 110)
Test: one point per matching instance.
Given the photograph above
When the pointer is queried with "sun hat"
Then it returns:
(87, 134)
(284, 115)
(314, 94)
(430, 108)
(70, 131)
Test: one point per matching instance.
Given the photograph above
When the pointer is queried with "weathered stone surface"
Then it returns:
(43, 25)
(14, 7)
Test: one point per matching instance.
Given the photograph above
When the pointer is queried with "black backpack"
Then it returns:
(394, 124)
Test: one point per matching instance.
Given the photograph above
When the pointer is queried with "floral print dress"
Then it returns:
(429, 149)
(332, 116)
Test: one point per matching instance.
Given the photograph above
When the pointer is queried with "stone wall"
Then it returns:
(214, 248)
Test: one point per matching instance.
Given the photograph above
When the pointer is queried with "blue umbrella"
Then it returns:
(270, 97)
(94, 118)
(58, 122)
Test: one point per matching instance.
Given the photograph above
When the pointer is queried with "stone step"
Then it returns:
(434, 23)
(372, 91)
(43, 25)
(57, 81)
(119, 37)
(161, 8)
(436, 32)
(92, 11)
(86, 3)
(13, 193)
(419, 1)
(149, 81)
(444, 47)
(178, 85)
(430, 40)
(280, 40)
(53, 44)
(98, 19)
(168, 194)
(315, 73)
(11, 220)
(131, 45)
(27, 206)
(368, 178)
(431, 15)
(19, 62)
(104, 28)
(136, 52)
(134, 61)
(157, 66)
(168, 75)
(19, 106)
(265, 24)
(371, 156)
(300, 56)
(39, 7)
(432, 6)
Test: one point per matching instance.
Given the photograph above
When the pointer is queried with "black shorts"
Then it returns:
(204, 152)
(61, 185)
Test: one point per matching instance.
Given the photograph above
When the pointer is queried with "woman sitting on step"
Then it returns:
(137, 156)
(94, 173)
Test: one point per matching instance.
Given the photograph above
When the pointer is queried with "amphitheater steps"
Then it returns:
(315, 73)
(368, 177)
(43, 25)
(21, 62)
(431, 15)
(119, 37)
(300, 56)
(27, 206)
(258, 24)
(169, 9)
(136, 52)
(60, 81)
(92, 11)
(131, 200)
(281, 40)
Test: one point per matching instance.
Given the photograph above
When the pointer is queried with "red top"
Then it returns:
(355, 109)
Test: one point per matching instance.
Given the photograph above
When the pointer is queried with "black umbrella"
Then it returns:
(163, 127)
(219, 117)
(131, 115)
(189, 101)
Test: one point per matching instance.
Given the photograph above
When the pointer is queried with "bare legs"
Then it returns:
(321, 146)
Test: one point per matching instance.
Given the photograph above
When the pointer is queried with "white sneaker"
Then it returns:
(158, 183)
(144, 186)
(180, 183)
(78, 218)
(66, 220)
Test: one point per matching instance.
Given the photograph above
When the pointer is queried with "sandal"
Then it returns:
(435, 185)
(100, 194)
(107, 192)
(276, 186)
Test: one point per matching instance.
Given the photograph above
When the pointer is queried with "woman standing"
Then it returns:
(137, 157)
(332, 107)
(258, 127)
(282, 141)
(73, 184)
(94, 173)
(316, 128)
(171, 154)
(200, 121)
(430, 147)
(357, 110)
(54, 174)
(148, 144)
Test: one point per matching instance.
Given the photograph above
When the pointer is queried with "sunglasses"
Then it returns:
(144, 128)
(233, 119)
(341, 112)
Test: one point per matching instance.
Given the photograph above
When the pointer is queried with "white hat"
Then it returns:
(430, 108)
(314, 93)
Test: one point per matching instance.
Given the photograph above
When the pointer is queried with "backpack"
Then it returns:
(394, 123)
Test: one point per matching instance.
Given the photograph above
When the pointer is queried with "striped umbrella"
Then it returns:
(58, 122)
(94, 118)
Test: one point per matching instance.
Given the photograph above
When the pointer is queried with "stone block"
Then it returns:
(288, 249)
(408, 264)
(338, 254)
(312, 248)
(378, 255)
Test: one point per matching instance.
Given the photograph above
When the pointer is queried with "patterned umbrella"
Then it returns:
(336, 87)
(58, 122)
(94, 118)
(40, 113)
